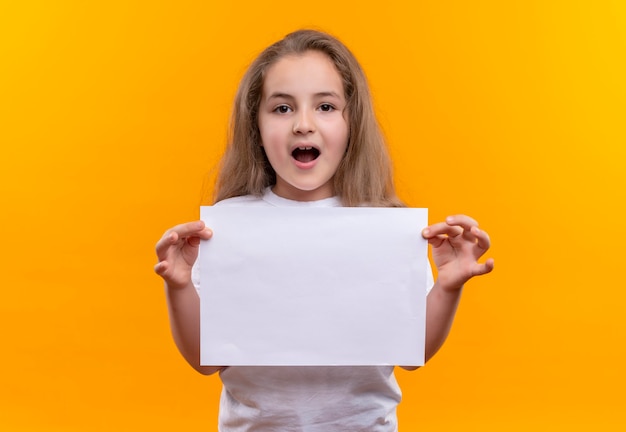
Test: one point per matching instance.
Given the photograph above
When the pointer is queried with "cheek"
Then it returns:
(267, 137)
(266, 128)
(345, 136)
(270, 131)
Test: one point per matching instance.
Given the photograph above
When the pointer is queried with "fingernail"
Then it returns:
(426, 231)
(449, 219)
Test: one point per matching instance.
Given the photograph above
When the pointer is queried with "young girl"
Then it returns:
(303, 133)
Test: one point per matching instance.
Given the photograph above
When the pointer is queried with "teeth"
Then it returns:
(305, 148)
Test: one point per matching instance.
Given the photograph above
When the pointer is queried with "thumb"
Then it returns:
(486, 267)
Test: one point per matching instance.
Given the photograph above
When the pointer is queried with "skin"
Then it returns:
(176, 251)
(457, 244)
(303, 104)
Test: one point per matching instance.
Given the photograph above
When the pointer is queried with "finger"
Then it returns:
(484, 268)
(195, 241)
(437, 240)
(468, 224)
(169, 238)
(482, 238)
(463, 221)
(182, 232)
(161, 268)
(440, 229)
(189, 229)
(469, 235)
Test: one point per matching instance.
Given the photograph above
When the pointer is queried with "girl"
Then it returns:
(303, 133)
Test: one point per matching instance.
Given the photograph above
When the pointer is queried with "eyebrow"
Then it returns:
(279, 95)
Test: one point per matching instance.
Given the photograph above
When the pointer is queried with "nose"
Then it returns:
(303, 123)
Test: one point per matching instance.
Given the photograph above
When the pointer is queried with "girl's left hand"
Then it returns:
(457, 244)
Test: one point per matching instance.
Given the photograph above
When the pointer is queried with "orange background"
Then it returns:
(112, 114)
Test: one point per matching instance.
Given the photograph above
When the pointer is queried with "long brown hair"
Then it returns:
(364, 176)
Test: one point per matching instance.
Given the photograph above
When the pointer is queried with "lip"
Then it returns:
(305, 165)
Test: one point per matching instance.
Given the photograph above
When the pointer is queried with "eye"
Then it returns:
(326, 107)
(282, 109)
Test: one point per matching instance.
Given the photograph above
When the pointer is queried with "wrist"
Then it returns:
(447, 288)
(171, 286)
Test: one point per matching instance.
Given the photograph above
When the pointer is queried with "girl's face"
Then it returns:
(303, 125)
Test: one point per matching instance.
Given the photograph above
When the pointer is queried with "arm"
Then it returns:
(441, 306)
(457, 244)
(177, 251)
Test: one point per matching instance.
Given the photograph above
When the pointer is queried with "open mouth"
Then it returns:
(305, 154)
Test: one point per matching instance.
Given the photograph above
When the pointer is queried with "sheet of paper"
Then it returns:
(313, 286)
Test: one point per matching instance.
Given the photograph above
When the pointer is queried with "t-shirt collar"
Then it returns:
(271, 198)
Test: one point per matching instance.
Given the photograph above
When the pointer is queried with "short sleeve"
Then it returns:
(195, 276)
(430, 280)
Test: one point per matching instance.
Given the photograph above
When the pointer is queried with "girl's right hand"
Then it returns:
(177, 251)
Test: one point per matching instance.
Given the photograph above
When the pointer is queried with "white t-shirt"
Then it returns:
(305, 398)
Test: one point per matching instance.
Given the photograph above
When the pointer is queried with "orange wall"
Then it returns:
(112, 113)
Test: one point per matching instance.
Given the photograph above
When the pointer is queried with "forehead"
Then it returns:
(311, 72)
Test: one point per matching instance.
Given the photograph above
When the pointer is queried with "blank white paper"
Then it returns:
(313, 286)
